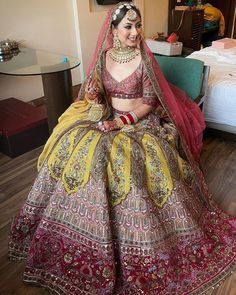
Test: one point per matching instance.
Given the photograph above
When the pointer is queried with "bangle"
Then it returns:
(119, 123)
(124, 119)
(131, 118)
(128, 119)
(134, 116)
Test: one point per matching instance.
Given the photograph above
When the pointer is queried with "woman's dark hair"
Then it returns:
(122, 14)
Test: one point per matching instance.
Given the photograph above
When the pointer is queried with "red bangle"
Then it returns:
(130, 117)
(123, 119)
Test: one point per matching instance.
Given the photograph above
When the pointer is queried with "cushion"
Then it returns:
(23, 127)
(17, 115)
(185, 73)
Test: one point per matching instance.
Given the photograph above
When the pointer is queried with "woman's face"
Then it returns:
(129, 32)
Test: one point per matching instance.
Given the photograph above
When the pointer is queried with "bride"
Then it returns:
(119, 205)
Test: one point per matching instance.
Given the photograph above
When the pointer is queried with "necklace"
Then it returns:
(123, 55)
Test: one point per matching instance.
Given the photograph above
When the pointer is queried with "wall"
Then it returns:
(46, 25)
(156, 17)
(90, 17)
(68, 27)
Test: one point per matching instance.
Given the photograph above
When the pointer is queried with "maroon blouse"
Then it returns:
(136, 85)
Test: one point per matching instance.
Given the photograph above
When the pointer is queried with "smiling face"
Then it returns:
(129, 31)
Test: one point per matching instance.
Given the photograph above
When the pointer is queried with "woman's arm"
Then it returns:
(142, 110)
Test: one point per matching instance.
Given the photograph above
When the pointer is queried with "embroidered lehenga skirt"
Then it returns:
(121, 213)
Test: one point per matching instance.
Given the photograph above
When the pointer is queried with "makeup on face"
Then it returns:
(129, 32)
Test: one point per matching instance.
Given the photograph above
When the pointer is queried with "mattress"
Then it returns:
(219, 107)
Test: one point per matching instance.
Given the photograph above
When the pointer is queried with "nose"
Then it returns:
(134, 31)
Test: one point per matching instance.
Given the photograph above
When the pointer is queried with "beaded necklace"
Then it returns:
(123, 55)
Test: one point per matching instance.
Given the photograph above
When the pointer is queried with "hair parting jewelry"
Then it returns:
(128, 6)
(131, 15)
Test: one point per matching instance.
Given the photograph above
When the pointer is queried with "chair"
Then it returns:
(191, 75)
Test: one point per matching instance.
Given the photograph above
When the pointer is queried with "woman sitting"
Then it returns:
(120, 205)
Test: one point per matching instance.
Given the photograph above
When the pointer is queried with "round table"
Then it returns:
(56, 77)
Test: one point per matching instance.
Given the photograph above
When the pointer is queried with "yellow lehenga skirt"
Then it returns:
(120, 213)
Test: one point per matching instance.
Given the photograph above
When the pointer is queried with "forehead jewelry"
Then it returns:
(133, 14)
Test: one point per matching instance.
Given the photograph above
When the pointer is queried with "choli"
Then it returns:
(136, 85)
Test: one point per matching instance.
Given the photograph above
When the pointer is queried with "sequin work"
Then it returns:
(121, 213)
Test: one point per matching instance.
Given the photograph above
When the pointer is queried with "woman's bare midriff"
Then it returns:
(126, 105)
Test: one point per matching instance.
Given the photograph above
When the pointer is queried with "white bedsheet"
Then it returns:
(220, 104)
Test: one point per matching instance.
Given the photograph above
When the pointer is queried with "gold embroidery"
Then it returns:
(118, 168)
(77, 171)
(159, 181)
(186, 172)
(100, 157)
(73, 116)
(60, 154)
(96, 112)
(138, 172)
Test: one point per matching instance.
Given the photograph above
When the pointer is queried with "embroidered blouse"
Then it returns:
(136, 85)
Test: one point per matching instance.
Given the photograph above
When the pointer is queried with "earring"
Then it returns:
(116, 41)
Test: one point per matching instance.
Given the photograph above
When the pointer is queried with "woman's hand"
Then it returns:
(91, 86)
(92, 90)
(106, 126)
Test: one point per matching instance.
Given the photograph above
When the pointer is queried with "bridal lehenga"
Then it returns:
(127, 211)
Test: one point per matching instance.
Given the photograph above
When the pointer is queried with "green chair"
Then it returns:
(190, 75)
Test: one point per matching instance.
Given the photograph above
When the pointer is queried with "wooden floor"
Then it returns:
(16, 176)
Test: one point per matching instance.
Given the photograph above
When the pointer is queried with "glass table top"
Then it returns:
(37, 62)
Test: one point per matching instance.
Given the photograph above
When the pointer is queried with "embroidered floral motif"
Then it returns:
(138, 164)
(61, 154)
(186, 172)
(100, 157)
(62, 151)
(159, 180)
(118, 169)
(77, 170)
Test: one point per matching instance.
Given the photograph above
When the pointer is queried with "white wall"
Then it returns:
(90, 16)
(47, 25)
(66, 27)
(156, 17)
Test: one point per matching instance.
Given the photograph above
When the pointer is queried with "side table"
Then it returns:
(55, 70)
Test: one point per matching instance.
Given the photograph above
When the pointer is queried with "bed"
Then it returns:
(219, 107)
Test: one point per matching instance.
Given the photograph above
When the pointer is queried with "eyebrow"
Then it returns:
(132, 23)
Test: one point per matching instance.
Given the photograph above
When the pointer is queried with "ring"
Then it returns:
(100, 123)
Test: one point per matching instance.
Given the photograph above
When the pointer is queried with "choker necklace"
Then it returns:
(123, 55)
